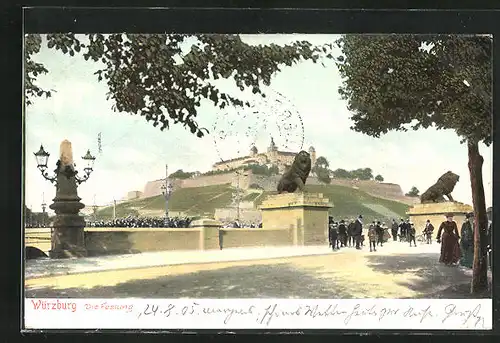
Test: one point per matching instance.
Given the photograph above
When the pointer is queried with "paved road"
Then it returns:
(394, 271)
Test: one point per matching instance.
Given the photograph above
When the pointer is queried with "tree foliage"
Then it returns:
(379, 178)
(149, 75)
(421, 80)
(180, 174)
(358, 174)
(322, 162)
(258, 169)
(414, 192)
(323, 175)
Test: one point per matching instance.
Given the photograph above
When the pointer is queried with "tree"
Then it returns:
(148, 75)
(401, 82)
(180, 174)
(362, 174)
(379, 178)
(323, 175)
(321, 170)
(414, 192)
(274, 170)
(341, 174)
(322, 162)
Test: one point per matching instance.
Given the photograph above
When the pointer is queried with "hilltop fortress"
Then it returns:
(272, 156)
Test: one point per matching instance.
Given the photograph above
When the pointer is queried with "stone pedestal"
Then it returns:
(305, 213)
(68, 237)
(209, 233)
(436, 212)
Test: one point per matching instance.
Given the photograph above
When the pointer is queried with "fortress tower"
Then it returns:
(272, 152)
(253, 151)
(312, 152)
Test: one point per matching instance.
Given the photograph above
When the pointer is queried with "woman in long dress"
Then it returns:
(448, 237)
(467, 241)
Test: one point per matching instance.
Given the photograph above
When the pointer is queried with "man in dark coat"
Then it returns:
(380, 234)
(333, 234)
(394, 230)
(342, 233)
(428, 230)
(411, 232)
(402, 230)
(358, 231)
(350, 233)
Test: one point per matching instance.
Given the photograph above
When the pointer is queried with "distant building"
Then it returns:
(134, 195)
(272, 156)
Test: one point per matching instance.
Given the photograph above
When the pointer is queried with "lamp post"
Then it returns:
(68, 236)
(166, 190)
(44, 206)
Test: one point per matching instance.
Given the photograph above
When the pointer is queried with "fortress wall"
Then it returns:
(209, 180)
(153, 188)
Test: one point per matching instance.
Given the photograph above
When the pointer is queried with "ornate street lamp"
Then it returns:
(68, 228)
(42, 158)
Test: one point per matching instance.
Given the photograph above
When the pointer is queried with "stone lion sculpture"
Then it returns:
(296, 176)
(444, 186)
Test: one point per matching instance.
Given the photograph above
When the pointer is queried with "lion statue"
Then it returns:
(444, 186)
(296, 176)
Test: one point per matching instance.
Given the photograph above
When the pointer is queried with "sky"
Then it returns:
(303, 109)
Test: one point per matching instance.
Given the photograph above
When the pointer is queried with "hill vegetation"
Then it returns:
(192, 201)
(348, 203)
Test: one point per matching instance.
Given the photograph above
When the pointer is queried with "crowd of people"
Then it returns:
(342, 234)
(238, 224)
(157, 222)
(456, 248)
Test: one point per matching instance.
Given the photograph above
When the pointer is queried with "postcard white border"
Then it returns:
(364, 314)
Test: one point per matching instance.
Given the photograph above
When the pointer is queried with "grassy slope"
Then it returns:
(193, 201)
(348, 202)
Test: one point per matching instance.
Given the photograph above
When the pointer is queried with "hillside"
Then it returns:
(192, 201)
(348, 203)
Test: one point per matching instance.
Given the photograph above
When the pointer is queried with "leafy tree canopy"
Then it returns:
(180, 174)
(379, 178)
(321, 162)
(360, 174)
(392, 81)
(149, 75)
(414, 192)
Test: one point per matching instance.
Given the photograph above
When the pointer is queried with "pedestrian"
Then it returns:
(402, 230)
(358, 231)
(428, 230)
(411, 234)
(372, 237)
(380, 233)
(467, 241)
(408, 225)
(350, 233)
(333, 235)
(342, 233)
(448, 236)
(394, 230)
